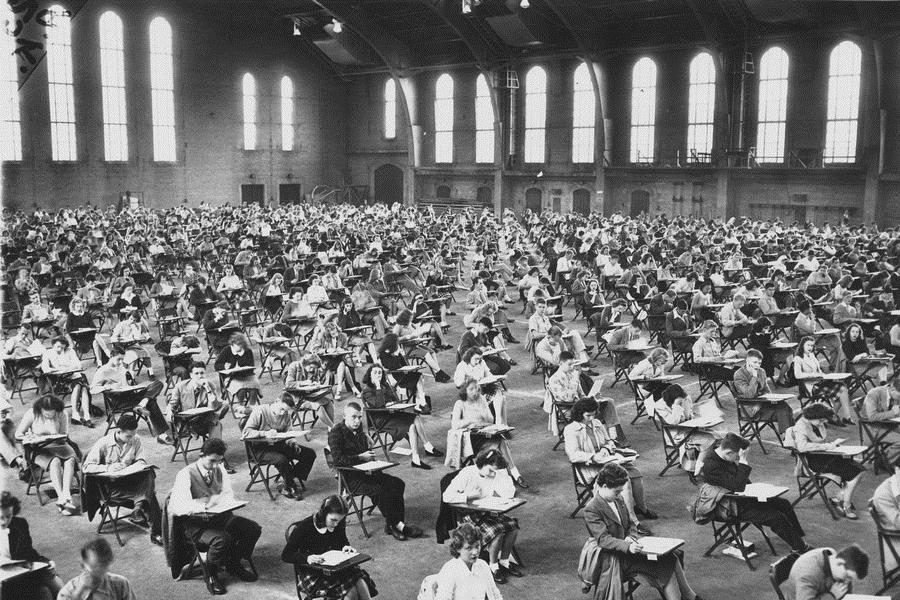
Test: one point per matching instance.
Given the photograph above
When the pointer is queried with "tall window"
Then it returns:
(701, 105)
(390, 109)
(162, 90)
(772, 120)
(59, 84)
(248, 87)
(112, 79)
(484, 122)
(844, 70)
(287, 113)
(583, 107)
(643, 110)
(10, 117)
(443, 119)
(535, 115)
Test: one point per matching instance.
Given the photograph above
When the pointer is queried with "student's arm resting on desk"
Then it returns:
(875, 408)
(25, 425)
(255, 426)
(463, 488)
(181, 502)
(717, 473)
(597, 526)
(339, 454)
(573, 450)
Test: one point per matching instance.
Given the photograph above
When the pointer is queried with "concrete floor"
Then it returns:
(549, 541)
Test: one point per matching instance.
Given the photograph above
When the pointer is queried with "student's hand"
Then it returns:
(315, 559)
(368, 455)
(349, 549)
(839, 589)
(116, 467)
(634, 547)
(896, 410)
(270, 433)
(742, 455)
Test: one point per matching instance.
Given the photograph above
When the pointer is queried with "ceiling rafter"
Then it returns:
(392, 51)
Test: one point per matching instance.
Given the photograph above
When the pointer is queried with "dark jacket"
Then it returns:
(734, 477)
(446, 519)
(20, 547)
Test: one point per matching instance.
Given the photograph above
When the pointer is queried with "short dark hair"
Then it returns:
(331, 505)
(196, 364)
(585, 405)
(213, 446)
(60, 339)
(47, 402)
(7, 500)
(733, 441)
(565, 355)
(473, 351)
(817, 410)
(127, 422)
(486, 321)
(490, 456)
(287, 398)
(754, 353)
(464, 535)
(611, 475)
(100, 548)
(354, 406)
(855, 559)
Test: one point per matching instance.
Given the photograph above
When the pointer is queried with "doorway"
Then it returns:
(484, 196)
(289, 193)
(581, 202)
(388, 184)
(253, 193)
(640, 202)
(533, 199)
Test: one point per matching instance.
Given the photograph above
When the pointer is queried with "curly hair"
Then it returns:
(7, 500)
(464, 535)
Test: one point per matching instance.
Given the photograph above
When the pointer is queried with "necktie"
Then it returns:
(198, 392)
(207, 477)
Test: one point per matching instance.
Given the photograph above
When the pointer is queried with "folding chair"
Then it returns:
(751, 423)
(671, 446)
(731, 531)
(713, 378)
(888, 543)
(583, 488)
(779, 571)
(39, 476)
(376, 420)
(20, 370)
(260, 471)
(683, 352)
(559, 412)
(110, 507)
(656, 326)
(117, 404)
(297, 568)
(879, 452)
(354, 507)
(810, 483)
(184, 429)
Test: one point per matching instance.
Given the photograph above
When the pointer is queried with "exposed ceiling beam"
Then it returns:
(392, 51)
(708, 22)
(484, 53)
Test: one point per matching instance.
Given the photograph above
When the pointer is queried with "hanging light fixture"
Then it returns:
(524, 4)
(337, 26)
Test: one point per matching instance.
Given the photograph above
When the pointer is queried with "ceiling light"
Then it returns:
(296, 28)
(466, 7)
(524, 4)
(337, 26)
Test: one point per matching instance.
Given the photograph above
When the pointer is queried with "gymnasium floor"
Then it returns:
(549, 541)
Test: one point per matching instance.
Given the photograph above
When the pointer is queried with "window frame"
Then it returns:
(162, 92)
(844, 93)
(642, 127)
(779, 83)
(583, 120)
(534, 140)
(702, 87)
(444, 118)
(250, 107)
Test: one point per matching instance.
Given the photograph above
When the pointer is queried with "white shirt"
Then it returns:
(4, 543)
(457, 582)
(181, 501)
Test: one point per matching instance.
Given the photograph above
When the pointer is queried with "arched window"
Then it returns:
(112, 80)
(443, 119)
(535, 115)
(701, 107)
(162, 90)
(287, 114)
(484, 122)
(583, 107)
(248, 87)
(390, 109)
(772, 120)
(643, 110)
(844, 69)
(59, 85)
(10, 116)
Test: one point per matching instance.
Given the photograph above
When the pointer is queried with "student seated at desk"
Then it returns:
(485, 479)
(377, 392)
(809, 435)
(309, 370)
(44, 584)
(472, 412)
(886, 501)
(9, 451)
(808, 372)
(48, 417)
(202, 486)
(268, 419)
(472, 366)
(750, 382)
(479, 336)
(539, 325)
(566, 387)
(707, 347)
(127, 336)
(238, 354)
(60, 357)
(674, 407)
(610, 524)
(588, 444)
(117, 450)
(95, 581)
(655, 365)
(728, 468)
(465, 575)
(79, 318)
(806, 324)
(350, 446)
(325, 531)
(554, 343)
(823, 573)
(856, 350)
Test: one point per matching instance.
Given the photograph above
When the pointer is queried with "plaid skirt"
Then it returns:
(333, 587)
(491, 526)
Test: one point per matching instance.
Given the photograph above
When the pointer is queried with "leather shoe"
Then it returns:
(643, 529)
(648, 514)
(499, 577)
(421, 465)
(155, 538)
(215, 587)
(242, 573)
(521, 483)
(435, 452)
(412, 531)
(513, 569)
(392, 530)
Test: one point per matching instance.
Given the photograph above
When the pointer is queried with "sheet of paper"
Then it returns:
(865, 597)
(495, 503)
(226, 507)
(659, 545)
(776, 396)
(762, 491)
(336, 557)
(196, 411)
(401, 451)
(129, 470)
(851, 450)
(399, 405)
(373, 465)
(702, 422)
(493, 429)
(8, 572)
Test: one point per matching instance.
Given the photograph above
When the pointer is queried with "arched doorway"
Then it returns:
(640, 202)
(484, 196)
(443, 191)
(388, 184)
(533, 200)
(581, 201)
